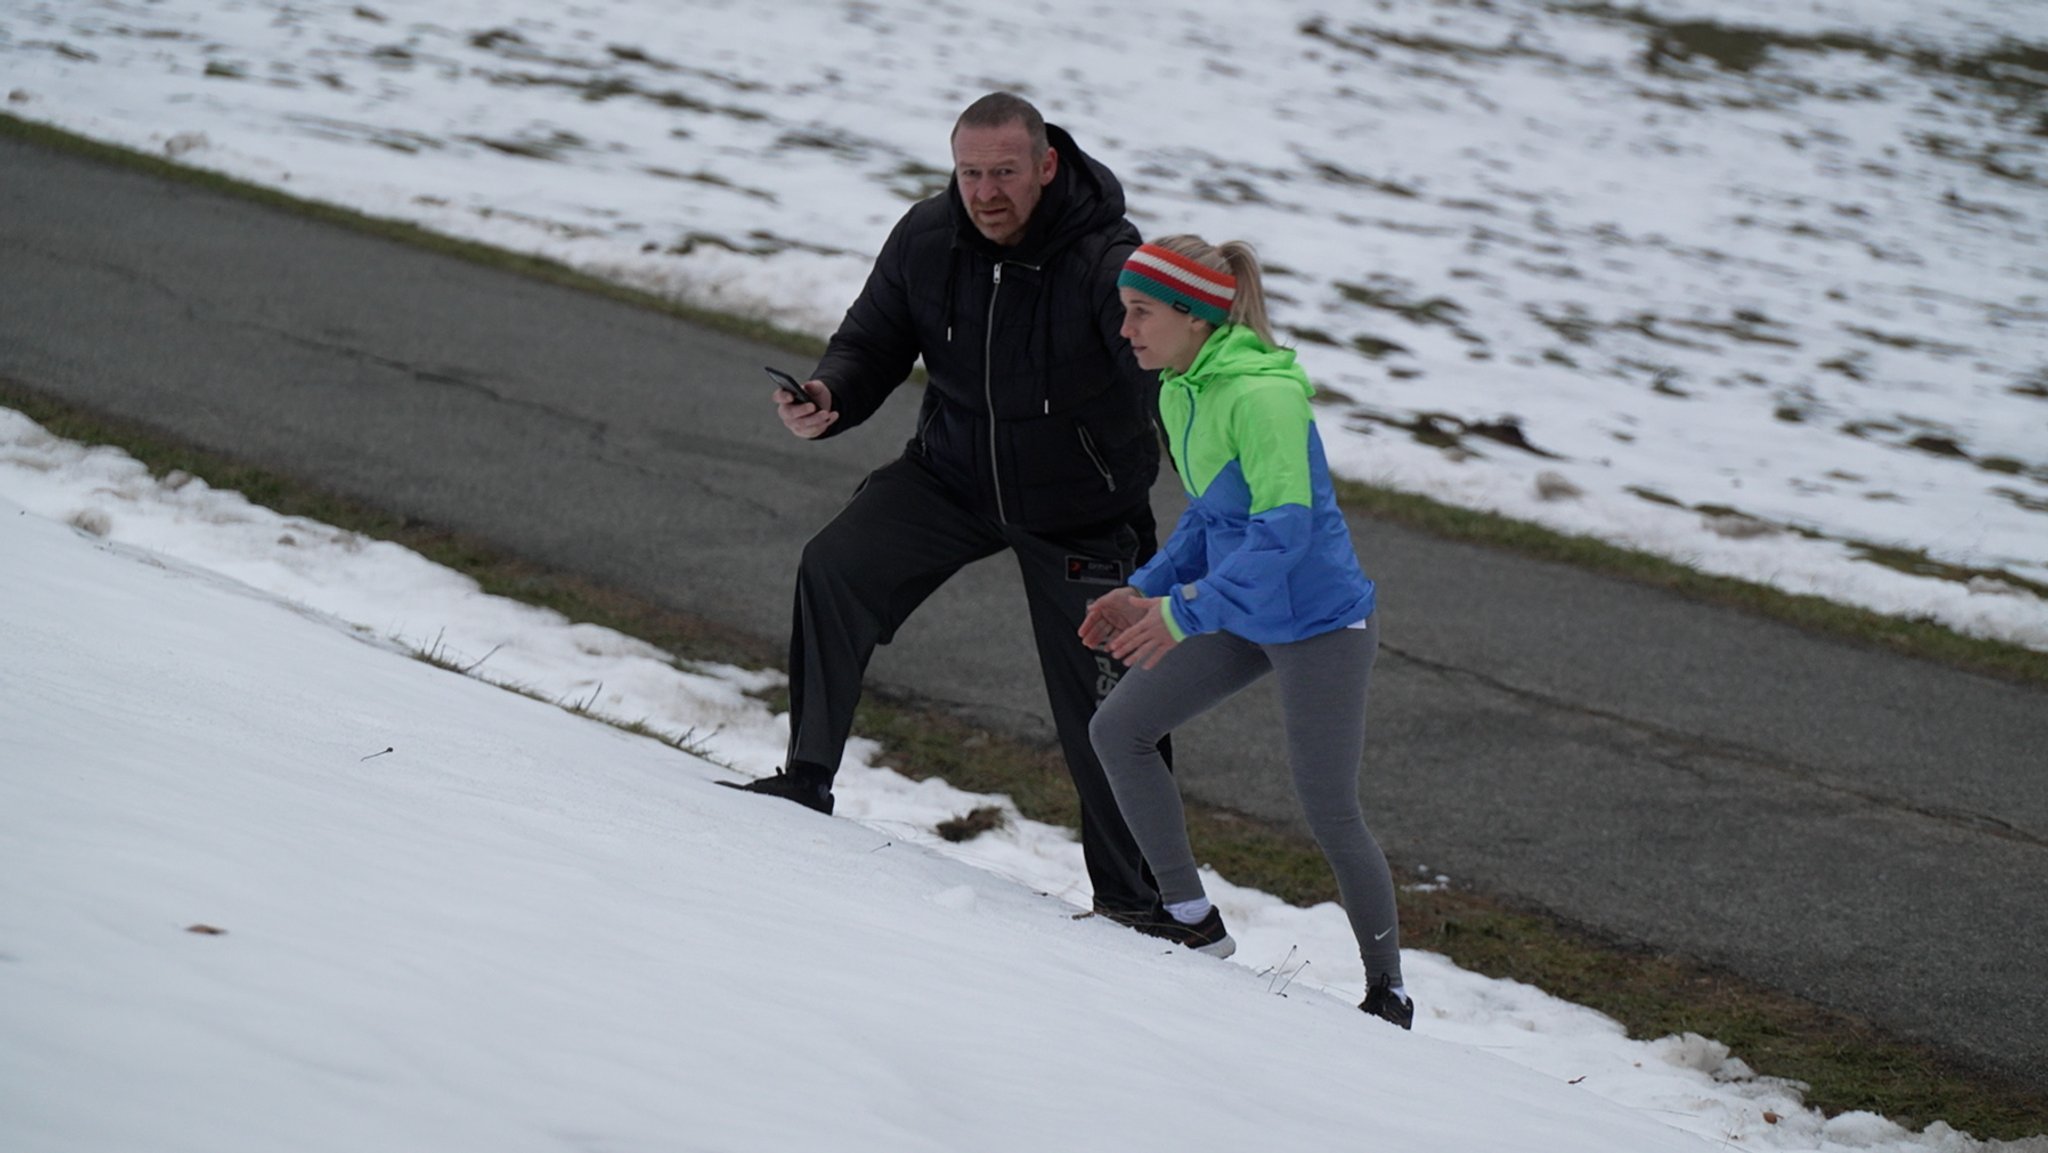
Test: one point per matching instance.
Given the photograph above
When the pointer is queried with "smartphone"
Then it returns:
(789, 385)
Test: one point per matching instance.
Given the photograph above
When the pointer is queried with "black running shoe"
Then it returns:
(1381, 1002)
(1128, 918)
(1204, 936)
(810, 791)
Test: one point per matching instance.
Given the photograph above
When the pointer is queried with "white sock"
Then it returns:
(1400, 991)
(1189, 912)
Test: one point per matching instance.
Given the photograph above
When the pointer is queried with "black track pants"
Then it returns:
(902, 535)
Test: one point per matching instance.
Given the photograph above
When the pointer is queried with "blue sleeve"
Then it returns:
(1244, 583)
(1182, 558)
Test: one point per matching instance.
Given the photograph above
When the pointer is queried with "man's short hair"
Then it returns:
(999, 108)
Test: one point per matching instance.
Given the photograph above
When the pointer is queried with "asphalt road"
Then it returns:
(1865, 830)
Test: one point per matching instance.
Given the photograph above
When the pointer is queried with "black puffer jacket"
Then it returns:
(1036, 412)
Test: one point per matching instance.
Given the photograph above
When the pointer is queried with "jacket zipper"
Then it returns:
(988, 392)
(1088, 446)
(1187, 433)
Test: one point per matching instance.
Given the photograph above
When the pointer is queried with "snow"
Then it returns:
(1771, 307)
(456, 917)
(269, 881)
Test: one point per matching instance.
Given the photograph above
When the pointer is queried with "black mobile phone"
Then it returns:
(789, 385)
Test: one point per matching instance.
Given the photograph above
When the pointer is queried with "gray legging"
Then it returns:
(1322, 698)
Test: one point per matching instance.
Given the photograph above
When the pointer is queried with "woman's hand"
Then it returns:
(1108, 614)
(1142, 644)
(1130, 627)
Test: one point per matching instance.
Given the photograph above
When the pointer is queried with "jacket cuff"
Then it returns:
(1171, 609)
(1153, 578)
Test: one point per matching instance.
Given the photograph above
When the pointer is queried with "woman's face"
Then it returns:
(1160, 336)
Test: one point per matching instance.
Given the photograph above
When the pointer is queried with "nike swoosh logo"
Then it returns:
(1382, 933)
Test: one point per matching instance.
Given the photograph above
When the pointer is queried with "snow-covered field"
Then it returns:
(1755, 285)
(268, 883)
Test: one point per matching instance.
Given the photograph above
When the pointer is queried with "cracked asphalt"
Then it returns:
(1864, 830)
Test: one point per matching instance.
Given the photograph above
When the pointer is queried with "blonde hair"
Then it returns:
(1240, 260)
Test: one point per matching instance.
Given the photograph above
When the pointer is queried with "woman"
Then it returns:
(1259, 576)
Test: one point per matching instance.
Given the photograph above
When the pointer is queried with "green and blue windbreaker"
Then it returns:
(1262, 551)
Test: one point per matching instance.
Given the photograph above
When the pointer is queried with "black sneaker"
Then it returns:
(1128, 918)
(1204, 936)
(809, 791)
(1381, 1002)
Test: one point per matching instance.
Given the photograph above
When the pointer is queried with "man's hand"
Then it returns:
(808, 421)
(1131, 627)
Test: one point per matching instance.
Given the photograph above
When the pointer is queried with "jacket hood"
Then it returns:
(1083, 196)
(1233, 351)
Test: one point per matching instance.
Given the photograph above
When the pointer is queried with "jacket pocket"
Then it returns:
(1095, 456)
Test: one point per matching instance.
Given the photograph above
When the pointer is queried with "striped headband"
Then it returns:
(1188, 286)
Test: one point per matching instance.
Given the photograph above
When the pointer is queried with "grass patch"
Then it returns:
(1846, 1063)
(1386, 296)
(985, 819)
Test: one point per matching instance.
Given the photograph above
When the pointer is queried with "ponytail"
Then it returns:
(1248, 307)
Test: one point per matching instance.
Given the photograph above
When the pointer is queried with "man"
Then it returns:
(1036, 436)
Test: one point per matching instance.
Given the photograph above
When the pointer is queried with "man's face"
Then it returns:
(1000, 181)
